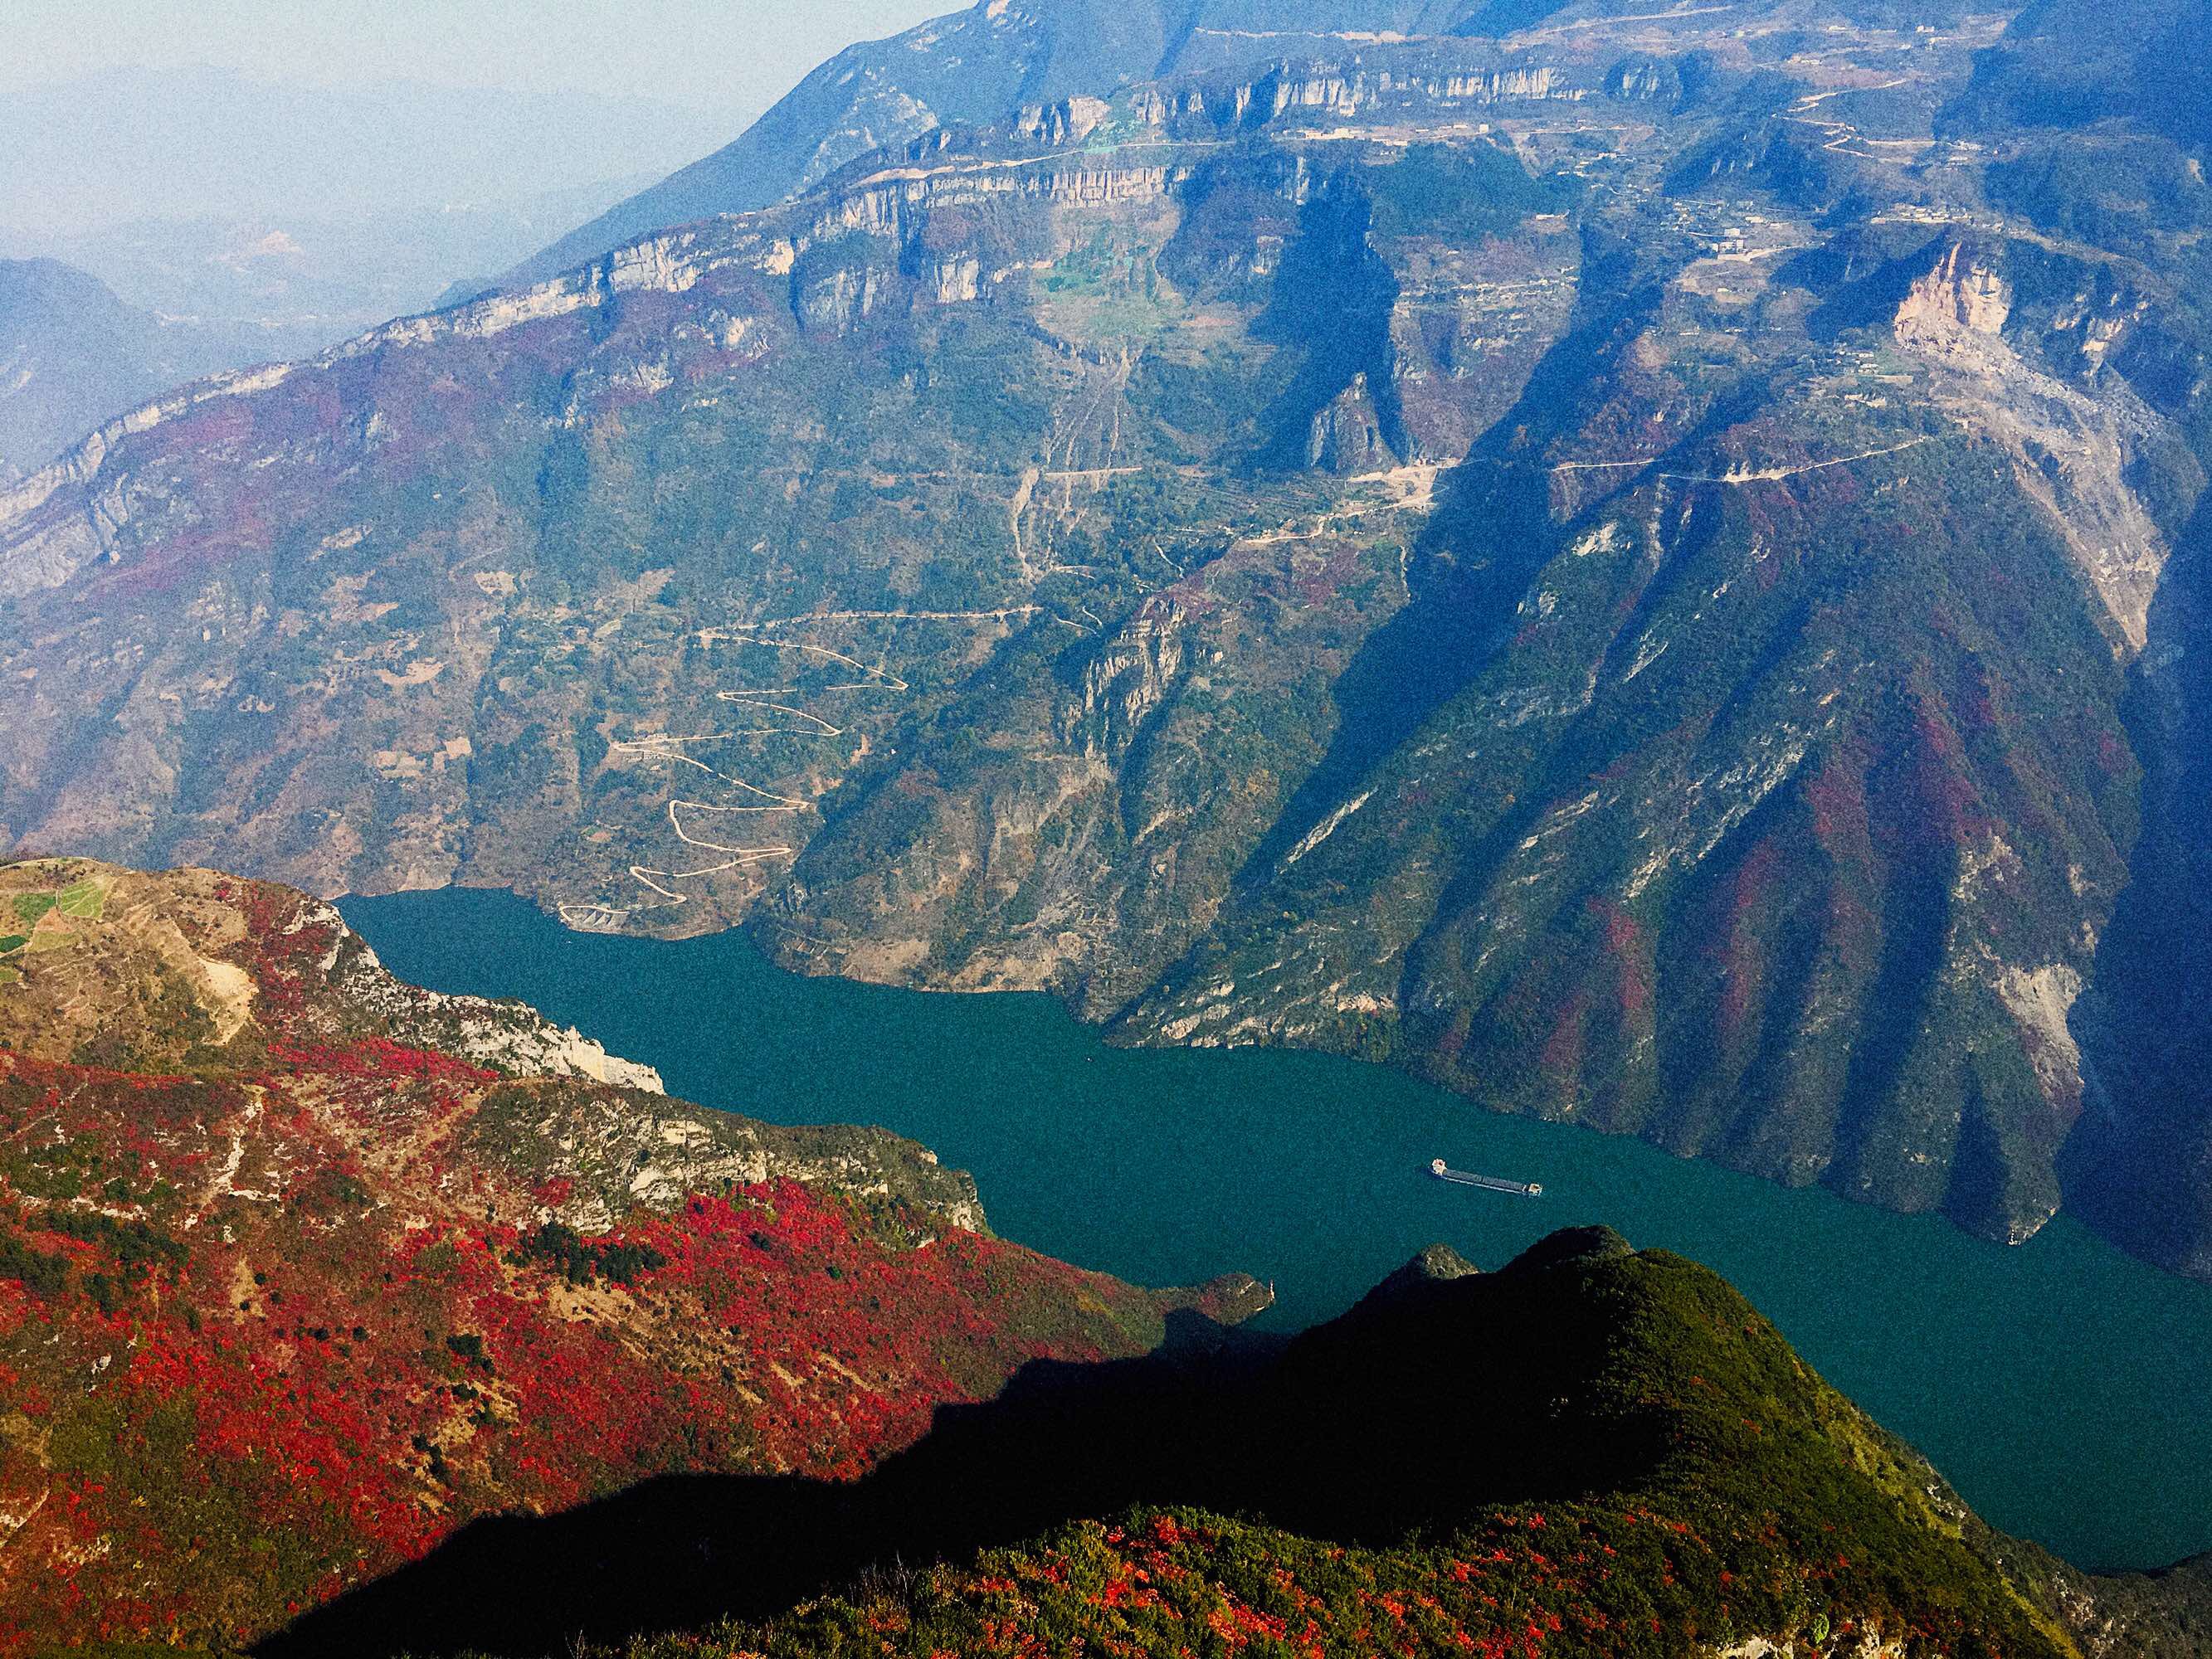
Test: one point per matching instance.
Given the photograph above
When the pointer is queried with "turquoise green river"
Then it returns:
(2064, 1388)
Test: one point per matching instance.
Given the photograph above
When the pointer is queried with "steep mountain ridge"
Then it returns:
(2101, 121)
(1611, 567)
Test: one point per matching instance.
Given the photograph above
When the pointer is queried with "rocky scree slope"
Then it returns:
(1632, 568)
(302, 1269)
(1591, 1451)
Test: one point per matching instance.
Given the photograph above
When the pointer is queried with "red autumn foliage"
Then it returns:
(268, 1335)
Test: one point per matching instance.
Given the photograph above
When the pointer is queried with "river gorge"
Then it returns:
(2037, 1378)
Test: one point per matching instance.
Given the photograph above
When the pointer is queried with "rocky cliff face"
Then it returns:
(1616, 566)
(301, 1269)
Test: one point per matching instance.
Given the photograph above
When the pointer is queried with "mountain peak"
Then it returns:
(1571, 1244)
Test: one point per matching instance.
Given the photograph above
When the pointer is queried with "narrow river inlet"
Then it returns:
(2062, 1387)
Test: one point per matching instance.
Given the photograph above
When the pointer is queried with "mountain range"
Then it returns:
(1639, 563)
(178, 300)
(984, 67)
(287, 285)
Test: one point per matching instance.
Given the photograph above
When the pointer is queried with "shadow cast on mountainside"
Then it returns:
(678, 1551)
(1331, 304)
(1356, 1431)
(2145, 1032)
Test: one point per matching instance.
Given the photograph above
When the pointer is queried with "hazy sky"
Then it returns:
(719, 55)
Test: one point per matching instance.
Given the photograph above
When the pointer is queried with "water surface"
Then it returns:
(2064, 1388)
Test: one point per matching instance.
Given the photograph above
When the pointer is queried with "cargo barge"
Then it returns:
(1488, 1183)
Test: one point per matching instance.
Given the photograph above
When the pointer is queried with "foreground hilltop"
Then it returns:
(1591, 1451)
(303, 1268)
